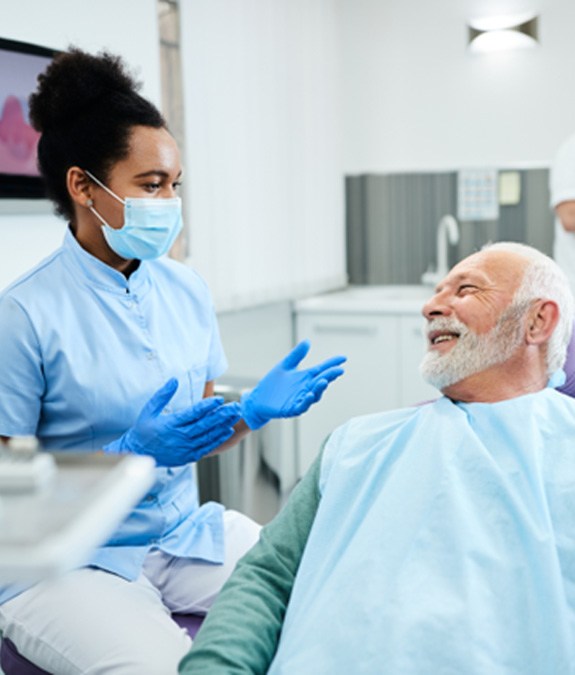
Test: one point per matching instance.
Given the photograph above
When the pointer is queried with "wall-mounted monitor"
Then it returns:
(20, 65)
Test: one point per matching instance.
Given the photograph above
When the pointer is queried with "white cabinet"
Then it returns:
(411, 387)
(373, 361)
(382, 336)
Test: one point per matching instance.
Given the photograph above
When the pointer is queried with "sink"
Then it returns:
(447, 233)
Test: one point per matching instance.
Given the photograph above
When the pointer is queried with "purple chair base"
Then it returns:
(191, 622)
(13, 663)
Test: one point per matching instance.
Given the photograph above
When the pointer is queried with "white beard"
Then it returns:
(473, 353)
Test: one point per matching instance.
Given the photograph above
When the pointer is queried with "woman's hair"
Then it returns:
(85, 107)
(544, 279)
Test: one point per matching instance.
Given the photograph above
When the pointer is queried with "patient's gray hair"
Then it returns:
(544, 279)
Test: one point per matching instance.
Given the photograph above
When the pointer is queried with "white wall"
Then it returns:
(263, 161)
(129, 28)
(416, 99)
(412, 98)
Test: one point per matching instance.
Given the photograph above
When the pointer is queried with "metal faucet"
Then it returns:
(447, 233)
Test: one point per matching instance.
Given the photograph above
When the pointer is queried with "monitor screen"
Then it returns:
(20, 65)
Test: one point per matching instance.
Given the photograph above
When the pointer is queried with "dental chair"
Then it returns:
(13, 663)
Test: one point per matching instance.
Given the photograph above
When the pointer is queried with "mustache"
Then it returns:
(446, 324)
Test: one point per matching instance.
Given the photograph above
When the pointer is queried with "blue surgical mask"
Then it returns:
(150, 226)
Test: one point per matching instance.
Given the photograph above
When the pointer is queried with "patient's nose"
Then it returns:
(436, 306)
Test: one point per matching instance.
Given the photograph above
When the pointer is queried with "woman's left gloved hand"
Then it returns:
(287, 392)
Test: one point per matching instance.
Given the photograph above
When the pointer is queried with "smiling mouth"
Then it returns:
(437, 337)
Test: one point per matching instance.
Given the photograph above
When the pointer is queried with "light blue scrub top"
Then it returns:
(82, 349)
(444, 542)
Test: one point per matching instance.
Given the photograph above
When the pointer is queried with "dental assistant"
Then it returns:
(107, 344)
(562, 201)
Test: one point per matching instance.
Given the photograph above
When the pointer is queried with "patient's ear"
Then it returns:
(542, 320)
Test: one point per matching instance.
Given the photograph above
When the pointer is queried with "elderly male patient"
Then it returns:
(438, 538)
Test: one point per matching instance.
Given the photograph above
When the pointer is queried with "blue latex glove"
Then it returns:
(178, 438)
(287, 392)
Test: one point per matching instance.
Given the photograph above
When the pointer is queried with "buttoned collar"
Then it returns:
(95, 272)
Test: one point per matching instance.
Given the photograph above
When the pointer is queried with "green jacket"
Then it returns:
(242, 630)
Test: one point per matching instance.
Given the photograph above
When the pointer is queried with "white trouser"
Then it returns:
(91, 622)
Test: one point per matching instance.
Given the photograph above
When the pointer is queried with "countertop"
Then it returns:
(400, 299)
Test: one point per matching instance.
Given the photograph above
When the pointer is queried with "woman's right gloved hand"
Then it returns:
(173, 439)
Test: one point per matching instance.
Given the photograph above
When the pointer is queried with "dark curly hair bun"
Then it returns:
(85, 108)
(74, 82)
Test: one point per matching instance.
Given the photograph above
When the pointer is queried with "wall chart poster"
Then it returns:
(477, 194)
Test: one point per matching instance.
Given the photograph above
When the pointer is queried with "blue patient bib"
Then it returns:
(444, 543)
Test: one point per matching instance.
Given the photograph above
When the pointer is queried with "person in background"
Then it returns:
(108, 344)
(562, 201)
(562, 191)
(438, 538)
